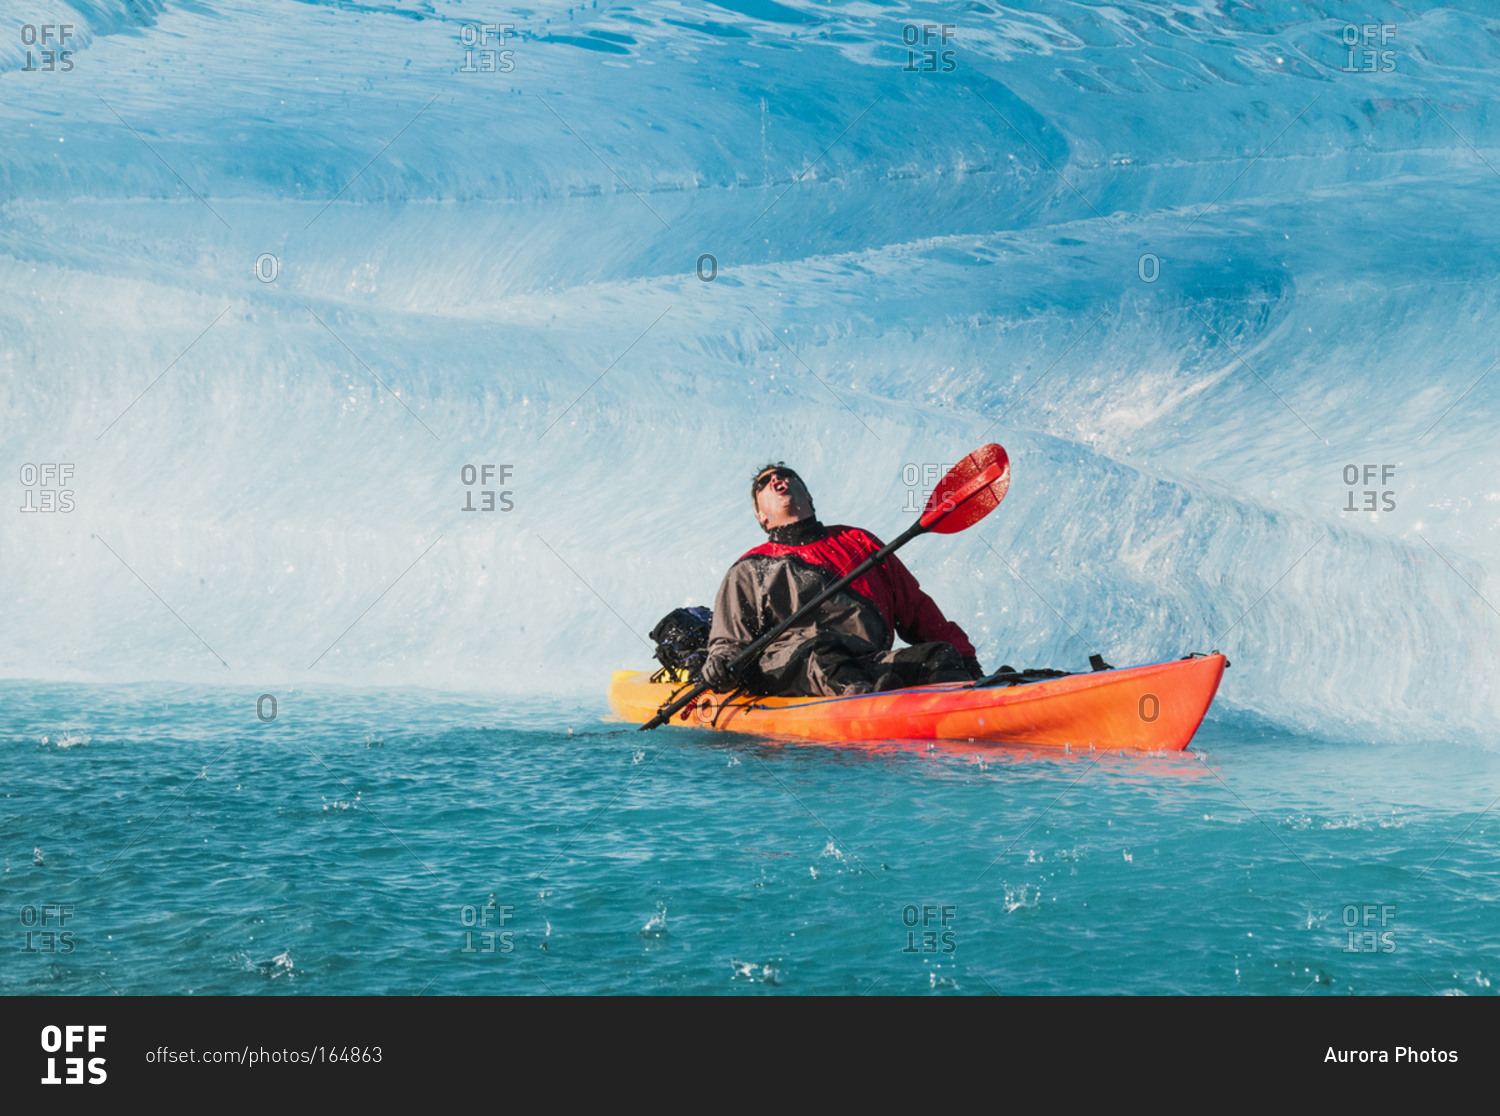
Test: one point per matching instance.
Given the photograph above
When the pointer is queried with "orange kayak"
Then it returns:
(1150, 708)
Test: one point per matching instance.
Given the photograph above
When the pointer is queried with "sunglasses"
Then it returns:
(767, 477)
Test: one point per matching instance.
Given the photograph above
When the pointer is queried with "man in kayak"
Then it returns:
(844, 647)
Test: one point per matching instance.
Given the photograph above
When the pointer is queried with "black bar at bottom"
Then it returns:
(156, 1047)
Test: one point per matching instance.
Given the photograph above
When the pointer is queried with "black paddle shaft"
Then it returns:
(751, 653)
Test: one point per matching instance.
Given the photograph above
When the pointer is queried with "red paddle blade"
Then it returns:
(972, 489)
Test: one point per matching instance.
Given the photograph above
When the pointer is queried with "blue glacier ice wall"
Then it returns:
(1187, 262)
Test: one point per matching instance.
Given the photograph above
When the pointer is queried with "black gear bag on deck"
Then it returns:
(681, 639)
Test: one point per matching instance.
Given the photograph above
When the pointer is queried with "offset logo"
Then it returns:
(1387, 496)
(1366, 45)
(54, 55)
(66, 1040)
(43, 487)
(44, 926)
(491, 941)
(932, 58)
(921, 479)
(936, 934)
(485, 474)
(490, 38)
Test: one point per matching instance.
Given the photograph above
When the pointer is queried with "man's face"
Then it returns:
(783, 499)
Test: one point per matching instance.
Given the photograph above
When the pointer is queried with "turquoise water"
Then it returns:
(372, 841)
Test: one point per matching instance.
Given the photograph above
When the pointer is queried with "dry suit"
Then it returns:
(844, 647)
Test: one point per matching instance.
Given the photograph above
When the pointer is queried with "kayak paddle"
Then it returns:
(972, 489)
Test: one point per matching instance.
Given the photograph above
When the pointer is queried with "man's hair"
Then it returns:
(755, 493)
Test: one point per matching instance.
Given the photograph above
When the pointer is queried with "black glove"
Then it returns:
(976, 671)
(717, 674)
